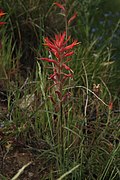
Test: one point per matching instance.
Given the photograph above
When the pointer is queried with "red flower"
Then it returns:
(57, 46)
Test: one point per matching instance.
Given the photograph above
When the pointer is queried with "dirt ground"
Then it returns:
(15, 156)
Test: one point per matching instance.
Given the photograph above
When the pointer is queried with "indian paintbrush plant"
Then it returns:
(61, 73)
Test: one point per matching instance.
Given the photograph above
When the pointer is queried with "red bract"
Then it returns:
(61, 51)
(1, 23)
(69, 54)
(110, 106)
(2, 14)
(60, 6)
(72, 18)
(50, 60)
(70, 46)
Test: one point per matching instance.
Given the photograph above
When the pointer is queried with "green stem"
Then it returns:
(61, 133)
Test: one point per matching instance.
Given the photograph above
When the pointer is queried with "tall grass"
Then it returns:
(27, 116)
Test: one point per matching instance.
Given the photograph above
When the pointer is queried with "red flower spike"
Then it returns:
(61, 51)
(60, 6)
(72, 18)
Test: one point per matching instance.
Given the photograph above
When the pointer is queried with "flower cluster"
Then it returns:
(62, 53)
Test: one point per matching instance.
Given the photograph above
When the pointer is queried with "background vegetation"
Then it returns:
(27, 117)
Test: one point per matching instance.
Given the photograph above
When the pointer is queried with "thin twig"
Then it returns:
(86, 101)
(90, 92)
